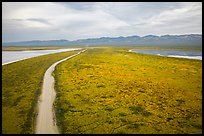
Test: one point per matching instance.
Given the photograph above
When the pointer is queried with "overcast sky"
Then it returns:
(23, 21)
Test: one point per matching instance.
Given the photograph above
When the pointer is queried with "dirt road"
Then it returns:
(46, 123)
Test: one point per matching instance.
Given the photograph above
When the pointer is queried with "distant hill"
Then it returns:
(190, 40)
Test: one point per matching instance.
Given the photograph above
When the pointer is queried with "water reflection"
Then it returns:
(13, 56)
(173, 53)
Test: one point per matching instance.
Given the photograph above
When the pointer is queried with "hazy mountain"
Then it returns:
(189, 40)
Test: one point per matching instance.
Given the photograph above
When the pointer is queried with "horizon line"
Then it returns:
(107, 37)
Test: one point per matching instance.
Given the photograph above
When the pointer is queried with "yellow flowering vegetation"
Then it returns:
(110, 90)
(21, 86)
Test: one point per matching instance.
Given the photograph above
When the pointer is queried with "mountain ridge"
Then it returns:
(134, 40)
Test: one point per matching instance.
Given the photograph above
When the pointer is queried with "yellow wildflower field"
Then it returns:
(110, 90)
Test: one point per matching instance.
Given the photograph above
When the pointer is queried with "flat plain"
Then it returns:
(107, 90)
(110, 90)
(21, 87)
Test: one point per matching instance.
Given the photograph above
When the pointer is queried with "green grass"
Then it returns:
(110, 90)
(21, 86)
(28, 48)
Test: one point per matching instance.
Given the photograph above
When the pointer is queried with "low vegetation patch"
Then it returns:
(123, 92)
(21, 86)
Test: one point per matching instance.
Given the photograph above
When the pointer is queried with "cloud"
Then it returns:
(75, 20)
(183, 13)
(87, 6)
(34, 22)
(40, 20)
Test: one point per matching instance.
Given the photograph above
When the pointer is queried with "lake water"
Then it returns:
(13, 56)
(173, 53)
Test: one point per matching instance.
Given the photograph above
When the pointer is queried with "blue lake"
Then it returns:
(13, 56)
(173, 53)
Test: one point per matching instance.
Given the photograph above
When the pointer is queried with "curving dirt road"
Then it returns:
(46, 123)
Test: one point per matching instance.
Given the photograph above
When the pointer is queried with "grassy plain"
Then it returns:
(111, 90)
(27, 48)
(21, 86)
(160, 48)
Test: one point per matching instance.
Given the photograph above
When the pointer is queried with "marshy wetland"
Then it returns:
(107, 90)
